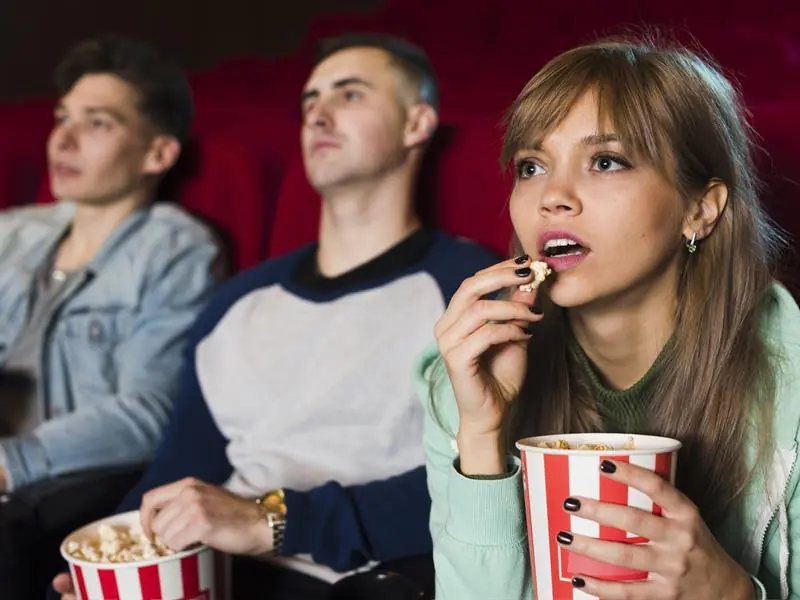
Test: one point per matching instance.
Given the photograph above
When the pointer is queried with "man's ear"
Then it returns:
(162, 156)
(705, 211)
(421, 124)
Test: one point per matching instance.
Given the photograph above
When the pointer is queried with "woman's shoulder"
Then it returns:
(782, 323)
(782, 328)
(782, 332)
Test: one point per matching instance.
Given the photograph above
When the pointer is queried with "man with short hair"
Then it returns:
(297, 434)
(98, 291)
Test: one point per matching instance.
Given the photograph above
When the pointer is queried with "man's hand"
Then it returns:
(189, 512)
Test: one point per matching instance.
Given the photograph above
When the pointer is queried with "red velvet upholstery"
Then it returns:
(297, 212)
(23, 136)
(243, 170)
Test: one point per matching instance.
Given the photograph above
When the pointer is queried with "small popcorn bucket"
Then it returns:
(552, 475)
(196, 574)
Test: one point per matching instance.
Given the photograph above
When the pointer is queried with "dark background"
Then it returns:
(34, 34)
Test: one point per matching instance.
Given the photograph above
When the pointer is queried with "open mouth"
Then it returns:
(563, 247)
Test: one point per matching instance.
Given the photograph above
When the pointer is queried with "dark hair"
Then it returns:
(165, 97)
(410, 59)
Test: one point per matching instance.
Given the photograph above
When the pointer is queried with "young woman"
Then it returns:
(635, 183)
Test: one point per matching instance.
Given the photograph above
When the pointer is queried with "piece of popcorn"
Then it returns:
(107, 532)
(540, 273)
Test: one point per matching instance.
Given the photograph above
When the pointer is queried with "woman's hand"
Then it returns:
(483, 343)
(683, 558)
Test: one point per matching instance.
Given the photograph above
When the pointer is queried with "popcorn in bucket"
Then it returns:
(111, 559)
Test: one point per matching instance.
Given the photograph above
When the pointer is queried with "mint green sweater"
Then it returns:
(621, 411)
(478, 525)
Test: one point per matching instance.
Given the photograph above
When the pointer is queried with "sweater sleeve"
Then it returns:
(480, 546)
(346, 527)
(193, 446)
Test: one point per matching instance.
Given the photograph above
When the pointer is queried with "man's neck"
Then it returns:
(91, 227)
(623, 338)
(362, 222)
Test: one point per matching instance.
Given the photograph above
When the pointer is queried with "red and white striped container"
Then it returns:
(196, 574)
(553, 475)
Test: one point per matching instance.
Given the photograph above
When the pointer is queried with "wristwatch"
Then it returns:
(273, 509)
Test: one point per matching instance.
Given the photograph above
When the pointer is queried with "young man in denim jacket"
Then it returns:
(98, 291)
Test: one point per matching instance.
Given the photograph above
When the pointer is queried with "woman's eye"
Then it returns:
(607, 164)
(527, 169)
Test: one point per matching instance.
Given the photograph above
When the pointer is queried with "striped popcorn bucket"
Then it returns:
(552, 475)
(196, 574)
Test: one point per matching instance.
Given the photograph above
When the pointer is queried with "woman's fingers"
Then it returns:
(480, 285)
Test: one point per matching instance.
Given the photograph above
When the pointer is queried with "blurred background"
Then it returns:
(248, 60)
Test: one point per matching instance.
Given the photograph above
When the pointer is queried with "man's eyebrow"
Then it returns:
(340, 83)
(351, 81)
(308, 95)
(94, 110)
(104, 110)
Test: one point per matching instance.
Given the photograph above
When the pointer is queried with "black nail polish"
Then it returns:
(608, 467)
(523, 272)
(520, 260)
(578, 582)
(564, 538)
(530, 328)
(572, 504)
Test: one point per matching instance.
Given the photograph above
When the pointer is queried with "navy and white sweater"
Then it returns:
(302, 382)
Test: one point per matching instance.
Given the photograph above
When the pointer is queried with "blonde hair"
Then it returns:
(717, 377)
(717, 383)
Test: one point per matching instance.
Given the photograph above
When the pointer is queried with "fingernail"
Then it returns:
(608, 467)
(535, 310)
(529, 328)
(572, 504)
(564, 538)
(520, 260)
(578, 582)
(523, 272)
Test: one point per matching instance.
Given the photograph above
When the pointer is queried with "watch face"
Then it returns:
(274, 502)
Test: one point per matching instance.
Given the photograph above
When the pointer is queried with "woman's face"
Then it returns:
(608, 224)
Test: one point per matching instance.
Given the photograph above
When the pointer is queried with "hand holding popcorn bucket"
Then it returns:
(111, 560)
(557, 467)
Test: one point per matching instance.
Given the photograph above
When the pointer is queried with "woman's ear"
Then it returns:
(705, 211)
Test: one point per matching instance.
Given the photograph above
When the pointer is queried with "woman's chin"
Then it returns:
(567, 294)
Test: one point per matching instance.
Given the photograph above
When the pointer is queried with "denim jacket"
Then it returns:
(113, 350)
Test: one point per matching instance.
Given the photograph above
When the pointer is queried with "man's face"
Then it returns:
(99, 147)
(355, 108)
